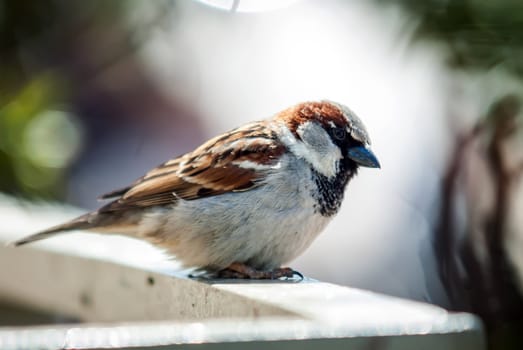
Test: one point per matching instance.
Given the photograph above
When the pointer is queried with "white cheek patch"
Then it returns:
(315, 147)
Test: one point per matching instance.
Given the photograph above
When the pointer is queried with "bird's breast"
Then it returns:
(264, 227)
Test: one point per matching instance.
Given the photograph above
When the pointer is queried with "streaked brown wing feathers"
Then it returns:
(214, 168)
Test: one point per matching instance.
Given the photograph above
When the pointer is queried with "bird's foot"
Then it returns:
(242, 271)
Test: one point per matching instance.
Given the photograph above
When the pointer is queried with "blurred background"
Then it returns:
(94, 93)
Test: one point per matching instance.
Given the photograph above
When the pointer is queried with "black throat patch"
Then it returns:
(330, 191)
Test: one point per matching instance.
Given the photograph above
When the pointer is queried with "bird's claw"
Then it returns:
(242, 271)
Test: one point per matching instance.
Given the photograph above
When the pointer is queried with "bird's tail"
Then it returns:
(80, 223)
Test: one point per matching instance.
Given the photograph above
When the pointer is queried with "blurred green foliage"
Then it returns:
(35, 139)
(40, 46)
(479, 34)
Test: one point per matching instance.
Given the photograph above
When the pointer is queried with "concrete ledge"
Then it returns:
(126, 294)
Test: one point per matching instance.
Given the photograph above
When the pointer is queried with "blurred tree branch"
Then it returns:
(486, 285)
(474, 265)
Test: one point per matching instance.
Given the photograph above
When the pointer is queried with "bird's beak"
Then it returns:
(363, 156)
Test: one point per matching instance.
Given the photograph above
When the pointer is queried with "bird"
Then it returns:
(245, 202)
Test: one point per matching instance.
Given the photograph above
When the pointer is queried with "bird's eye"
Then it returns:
(339, 133)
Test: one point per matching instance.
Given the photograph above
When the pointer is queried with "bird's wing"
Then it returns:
(236, 161)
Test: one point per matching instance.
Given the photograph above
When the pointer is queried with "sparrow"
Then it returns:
(245, 202)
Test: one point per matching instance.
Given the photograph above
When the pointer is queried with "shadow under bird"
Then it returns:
(247, 201)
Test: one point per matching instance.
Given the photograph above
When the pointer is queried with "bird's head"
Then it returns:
(327, 135)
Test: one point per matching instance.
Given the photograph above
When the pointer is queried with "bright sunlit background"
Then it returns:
(93, 94)
(241, 67)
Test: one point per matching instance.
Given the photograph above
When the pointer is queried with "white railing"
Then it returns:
(126, 294)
